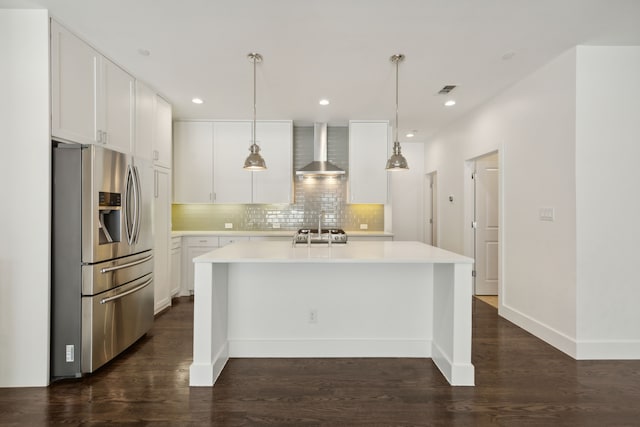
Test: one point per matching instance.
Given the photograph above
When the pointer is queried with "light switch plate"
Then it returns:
(275, 226)
(228, 225)
(364, 226)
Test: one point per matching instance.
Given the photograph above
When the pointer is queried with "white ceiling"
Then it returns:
(339, 49)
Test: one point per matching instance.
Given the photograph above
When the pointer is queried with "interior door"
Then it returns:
(486, 178)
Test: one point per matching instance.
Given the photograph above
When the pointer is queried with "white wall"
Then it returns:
(25, 183)
(608, 201)
(532, 124)
(407, 192)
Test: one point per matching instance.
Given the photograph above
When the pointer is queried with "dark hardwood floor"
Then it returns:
(520, 381)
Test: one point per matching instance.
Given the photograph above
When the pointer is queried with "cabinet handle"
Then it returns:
(156, 154)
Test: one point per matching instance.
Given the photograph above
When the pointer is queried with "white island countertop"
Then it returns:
(351, 252)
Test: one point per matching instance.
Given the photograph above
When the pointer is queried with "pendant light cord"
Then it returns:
(397, 68)
(253, 129)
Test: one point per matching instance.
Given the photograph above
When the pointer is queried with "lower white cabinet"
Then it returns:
(192, 247)
(162, 238)
(176, 266)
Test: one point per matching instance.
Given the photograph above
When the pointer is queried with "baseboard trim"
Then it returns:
(547, 334)
(206, 374)
(609, 350)
(458, 374)
(329, 348)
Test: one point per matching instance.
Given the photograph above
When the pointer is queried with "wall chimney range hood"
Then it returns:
(320, 165)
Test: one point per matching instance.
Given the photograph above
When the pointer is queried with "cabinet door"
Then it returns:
(231, 141)
(162, 239)
(368, 150)
(162, 150)
(145, 120)
(192, 163)
(73, 87)
(116, 110)
(193, 252)
(274, 185)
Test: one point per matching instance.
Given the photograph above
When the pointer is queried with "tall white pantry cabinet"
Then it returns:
(94, 101)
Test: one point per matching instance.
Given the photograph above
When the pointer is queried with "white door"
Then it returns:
(192, 162)
(486, 178)
(117, 108)
(232, 183)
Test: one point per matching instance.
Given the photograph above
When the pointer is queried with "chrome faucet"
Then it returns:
(320, 224)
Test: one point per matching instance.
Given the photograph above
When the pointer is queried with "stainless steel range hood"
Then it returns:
(320, 164)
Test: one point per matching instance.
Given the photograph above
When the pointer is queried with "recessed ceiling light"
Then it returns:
(450, 103)
(197, 101)
(507, 56)
(410, 135)
(324, 102)
(144, 52)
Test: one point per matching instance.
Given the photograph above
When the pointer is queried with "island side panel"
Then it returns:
(210, 313)
(452, 293)
(361, 310)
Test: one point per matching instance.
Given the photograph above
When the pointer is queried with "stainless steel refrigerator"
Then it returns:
(102, 259)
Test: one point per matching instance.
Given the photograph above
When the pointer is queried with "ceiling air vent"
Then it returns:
(445, 90)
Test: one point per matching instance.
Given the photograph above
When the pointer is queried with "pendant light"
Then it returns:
(254, 161)
(397, 162)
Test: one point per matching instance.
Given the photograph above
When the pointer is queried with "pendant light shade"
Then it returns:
(254, 161)
(397, 162)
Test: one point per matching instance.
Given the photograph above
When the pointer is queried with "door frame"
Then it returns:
(430, 189)
(469, 214)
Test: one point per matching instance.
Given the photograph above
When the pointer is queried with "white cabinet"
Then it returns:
(116, 101)
(227, 240)
(176, 266)
(145, 120)
(368, 153)
(192, 162)
(208, 160)
(153, 134)
(193, 247)
(74, 66)
(162, 147)
(274, 185)
(231, 183)
(162, 238)
(92, 99)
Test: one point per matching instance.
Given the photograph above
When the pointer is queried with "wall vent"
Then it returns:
(445, 90)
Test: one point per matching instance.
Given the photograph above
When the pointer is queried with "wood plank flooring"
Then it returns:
(521, 381)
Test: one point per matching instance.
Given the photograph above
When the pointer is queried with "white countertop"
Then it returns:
(352, 252)
(274, 233)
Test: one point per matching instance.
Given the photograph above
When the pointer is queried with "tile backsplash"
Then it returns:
(312, 196)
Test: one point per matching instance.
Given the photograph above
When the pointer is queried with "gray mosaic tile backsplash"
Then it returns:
(312, 196)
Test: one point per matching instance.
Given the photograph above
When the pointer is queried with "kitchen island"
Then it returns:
(360, 299)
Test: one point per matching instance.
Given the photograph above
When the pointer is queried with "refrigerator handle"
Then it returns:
(129, 225)
(138, 202)
(115, 297)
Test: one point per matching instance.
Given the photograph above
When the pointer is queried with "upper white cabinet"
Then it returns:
(153, 139)
(208, 160)
(92, 99)
(162, 147)
(192, 162)
(368, 153)
(231, 183)
(274, 185)
(145, 120)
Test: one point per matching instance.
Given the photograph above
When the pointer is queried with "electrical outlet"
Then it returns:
(546, 214)
(313, 316)
(275, 225)
(364, 226)
(69, 353)
(228, 225)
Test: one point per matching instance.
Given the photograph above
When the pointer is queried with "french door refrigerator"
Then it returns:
(102, 259)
